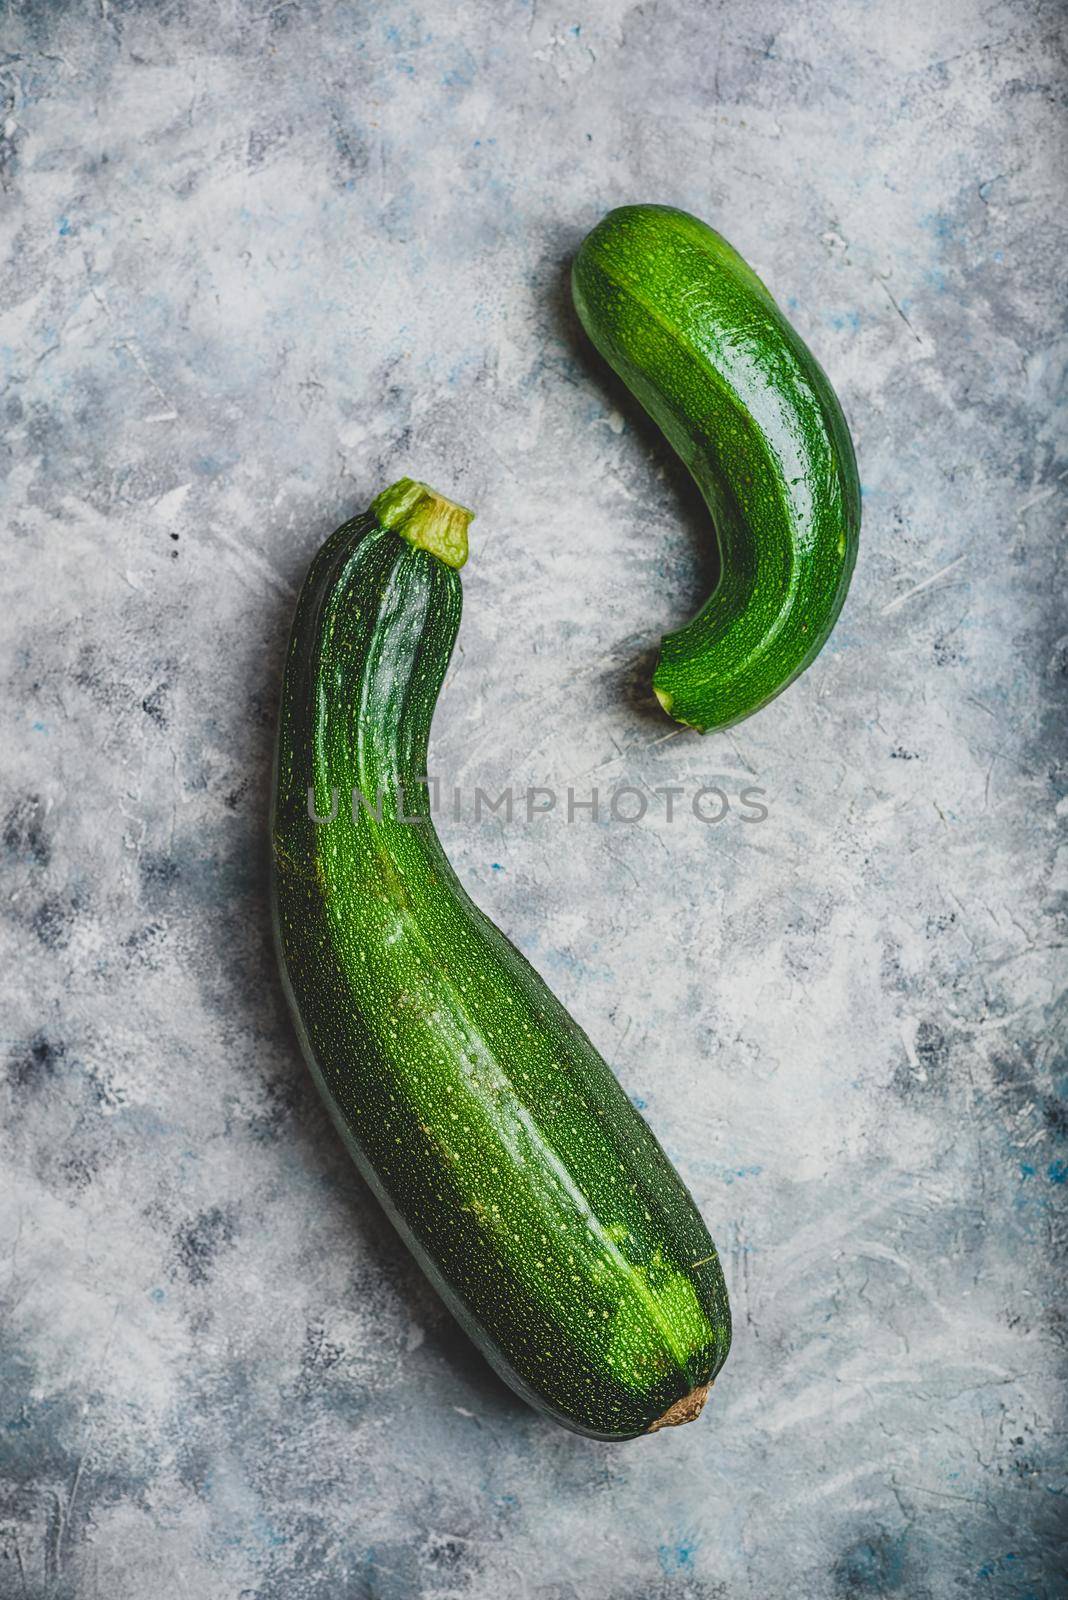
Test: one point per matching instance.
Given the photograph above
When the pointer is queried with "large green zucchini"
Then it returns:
(697, 338)
(510, 1160)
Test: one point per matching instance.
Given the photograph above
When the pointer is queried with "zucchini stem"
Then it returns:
(425, 518)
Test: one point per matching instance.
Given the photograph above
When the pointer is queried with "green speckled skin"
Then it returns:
(526, 1184)
(697, 338)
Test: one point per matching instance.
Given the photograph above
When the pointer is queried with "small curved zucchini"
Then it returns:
(697, 338)
(505, 1152)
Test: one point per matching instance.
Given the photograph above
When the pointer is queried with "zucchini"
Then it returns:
(502, 1148)
(699, 341)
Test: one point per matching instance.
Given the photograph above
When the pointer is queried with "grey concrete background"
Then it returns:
(262, 258)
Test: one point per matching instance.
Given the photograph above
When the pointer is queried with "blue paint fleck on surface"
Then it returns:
(678, 1557)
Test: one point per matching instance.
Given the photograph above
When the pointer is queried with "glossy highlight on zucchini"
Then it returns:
(700, 342)
(507, 1155)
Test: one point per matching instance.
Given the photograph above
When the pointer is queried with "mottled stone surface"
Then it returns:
(261, 259)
